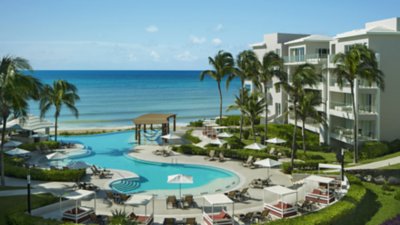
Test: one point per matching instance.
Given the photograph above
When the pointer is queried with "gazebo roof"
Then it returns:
(78, 194)
(280, 190)
(325, 180)
(153, 118)
(139, 200)
(217, 199)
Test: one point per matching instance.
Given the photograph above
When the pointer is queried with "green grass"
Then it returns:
(6, 188)
(392, 167)
(380, 158)
(12, 204)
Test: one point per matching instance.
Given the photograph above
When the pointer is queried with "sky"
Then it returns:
(164, 34)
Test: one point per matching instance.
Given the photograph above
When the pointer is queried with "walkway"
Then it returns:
(376, 165)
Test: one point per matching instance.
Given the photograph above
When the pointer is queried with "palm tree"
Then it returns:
(222, 64)
(61, 93)
(306, 109)
(16, 89)
(253, 108)
(246, 68)
(358, 63)
(303, 75)
(240, 101)
(270, 67)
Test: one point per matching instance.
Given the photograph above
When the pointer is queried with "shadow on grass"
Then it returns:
(365, 210)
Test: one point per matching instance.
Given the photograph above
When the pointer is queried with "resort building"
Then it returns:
(377, 109)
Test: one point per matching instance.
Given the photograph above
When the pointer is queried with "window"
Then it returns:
(278, 51)
(333, 48)
(297, 54)
(323, 52)
(277, 109)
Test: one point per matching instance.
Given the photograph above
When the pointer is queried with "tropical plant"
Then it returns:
(253, 108)
(246, 68)
(270, 67)
(16, 89)
(240, 103)
(119, 217)
(61, 93)
(222, 64)
(306, 109)
(359, 63)
(303, 75)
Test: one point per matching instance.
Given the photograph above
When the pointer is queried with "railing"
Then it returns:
(347, 132)
(367, 109)
(341, 106)
(366, 84)
(333, 82)
(303, 58)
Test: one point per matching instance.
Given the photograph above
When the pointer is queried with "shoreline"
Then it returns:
(84, 130)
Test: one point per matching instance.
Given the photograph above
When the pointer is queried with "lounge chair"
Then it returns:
(256, 183)
(158, 152)
(132, 216)
(249, 162)
(167, 153)
(232, 195)
(247, 218)
(190, 221)
(171, 202)
(169, 221)
(221, 157)
(101, 169)
(211, 155)
(96, 219)
(265, 216)
(188, 201)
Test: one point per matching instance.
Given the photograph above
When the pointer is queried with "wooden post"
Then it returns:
(174, 122)
(136, 132)
(151, 126)
(144, 126)
(139, 135)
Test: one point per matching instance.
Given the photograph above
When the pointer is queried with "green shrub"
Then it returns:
(235, 143)
(394, 146)
(32, 146)
(387, 187)
(197, 123)
(246, 134)
(334, 213)
(22, 218)
(303, 166)
(373, 149)
(243, 154)
(191, 150)
(188, 136)
(397, 195)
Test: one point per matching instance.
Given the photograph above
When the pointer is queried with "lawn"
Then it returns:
(12, 204)
(380, 158)
(6, 188)
(392, 167)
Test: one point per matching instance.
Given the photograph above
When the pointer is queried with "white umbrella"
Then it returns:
(224, 135)
(56, 156)
(268, 163)
(12, 144)
(17, 151)
(78, 165)
(217, 141)
(276, 141)
(180, 179)
(171, 137)
(255, 146)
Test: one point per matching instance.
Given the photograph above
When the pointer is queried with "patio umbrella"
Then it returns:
(171, 137)
(180, 179)
(255, 146)
(17, 151)
(275, 140)
(56, 156)
(77, 165)
(224, 135)
(217, 141)
(268, 163)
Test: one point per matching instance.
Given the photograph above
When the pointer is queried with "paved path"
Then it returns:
(378, 164)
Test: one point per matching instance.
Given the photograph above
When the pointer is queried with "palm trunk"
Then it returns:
(55, 128)
(254, 130)
(355, 125)
(294, 146)
(3, 137)
(220, 101)
(303, 134)
(241, 124)
(266, 112)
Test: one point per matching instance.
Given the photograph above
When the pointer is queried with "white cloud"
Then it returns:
(197, 40)
(152, 29)
(219, 27)
(186, 56)
(155, 55)
(216, 41)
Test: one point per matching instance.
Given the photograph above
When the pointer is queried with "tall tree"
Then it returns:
(16, 89)
(270, 67)
(222, 64)
(303, 75)
(59, 94)
(306, 109)
(359, 63)
(246, 68)
(253, 108)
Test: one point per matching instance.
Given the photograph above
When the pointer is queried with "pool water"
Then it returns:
(110, 151)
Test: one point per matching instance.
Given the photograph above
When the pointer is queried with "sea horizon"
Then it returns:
(112, 98)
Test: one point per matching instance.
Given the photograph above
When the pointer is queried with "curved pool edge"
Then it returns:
(123, 174)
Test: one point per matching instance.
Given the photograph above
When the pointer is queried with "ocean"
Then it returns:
(114, 98)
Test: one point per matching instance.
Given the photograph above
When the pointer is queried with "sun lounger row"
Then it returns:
(211, 156)
(163, 152)
(184, 221)
(116, 197)
(255, 217)
(260, 183)
(86, 186)
(101, 173)
(237, 195)
(186, 202)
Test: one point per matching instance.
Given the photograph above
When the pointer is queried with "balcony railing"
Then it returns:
(347, 133)
(304, 58)
(341, 106)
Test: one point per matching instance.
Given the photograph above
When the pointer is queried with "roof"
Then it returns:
(280, 190)
(329, 166)
(259, 45)
(78, 194)
(217, 199)
(31, 122)
(138, 200)
(153, 118)
(316, 178)
(372, 30)
(311, 38)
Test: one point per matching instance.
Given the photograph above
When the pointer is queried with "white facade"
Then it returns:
(378, 110)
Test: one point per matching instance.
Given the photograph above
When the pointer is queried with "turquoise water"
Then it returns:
(113, 98)
(109, 151)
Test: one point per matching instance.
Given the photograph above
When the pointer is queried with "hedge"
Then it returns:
(197, 123)
(188, 136)
(334, 213)
(304, 166)
(22, 218)
(373, 149)
(32, 146)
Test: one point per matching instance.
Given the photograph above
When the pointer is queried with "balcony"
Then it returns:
(309, 58)
(341, 106)
(345, 134)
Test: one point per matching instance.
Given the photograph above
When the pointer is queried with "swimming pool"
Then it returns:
(110, 151)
